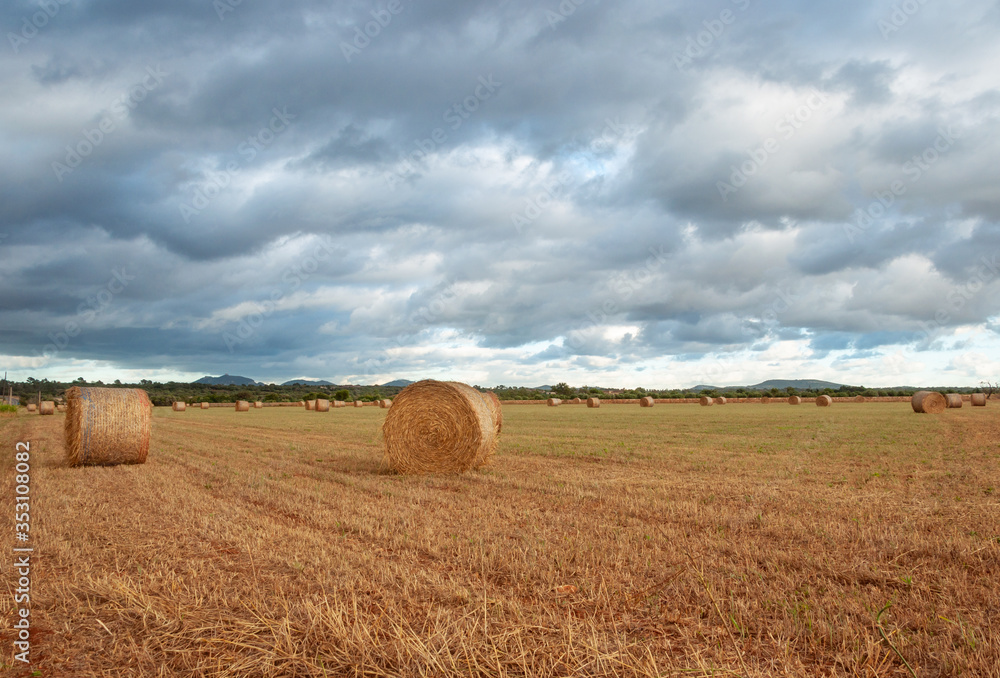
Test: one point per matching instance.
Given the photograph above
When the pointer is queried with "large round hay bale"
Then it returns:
(439, 427)
(322, 405)
(859, 399)
(978, 400)
(47, 407)
(258, 404)
(928, 402)
(646, 402)
(204, 406)
(32, 407)
(358, 403)
(107, 426)
(242, 406)
(953, 400)
(496, 408)
(705, 401)
(179, 406)
(310, 404)
(593, 402)
(824, 401)
(794, 400)
(721, 400)
(554, 402)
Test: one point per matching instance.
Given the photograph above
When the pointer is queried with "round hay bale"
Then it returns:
(593, 402)
(339, 403)
(765, 401)
(47, 407)
(242, 406)
(385, 404)
(794, 400)
(310, 404)
(953, 401)
(721, 400)
(60, 408)
(859, 399)
(204, 406)
(439, 427)
(496, 408)
(824, 401)
(928, 402)
(258, 404)
(179, 406)
(554, 402)
(576, 401)
(705, 401)
(646, 402)
(358, 403)
(32, 407)
(978, 400)
(322, 405)
(107, 426)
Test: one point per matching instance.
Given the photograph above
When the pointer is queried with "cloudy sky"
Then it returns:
(619, 193)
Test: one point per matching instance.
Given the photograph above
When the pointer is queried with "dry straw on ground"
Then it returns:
(179, 406)
(554, 402)
(32, 407)
(242, 406)
(706, 401)
(646, 402)
(47, 407)
(322, 405)
(928, 402)
(107, 426)
(824, 401)
(310, 404)
(794, 400)
(978, 400)
(953, 400)
(439, 427)
(204, 406)
(593, 402)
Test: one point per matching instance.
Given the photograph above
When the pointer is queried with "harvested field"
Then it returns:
(619, 541)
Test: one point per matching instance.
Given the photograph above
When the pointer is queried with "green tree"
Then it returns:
(563, 389)
(342, 394)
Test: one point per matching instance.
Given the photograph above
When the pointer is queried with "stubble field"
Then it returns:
(757, 540)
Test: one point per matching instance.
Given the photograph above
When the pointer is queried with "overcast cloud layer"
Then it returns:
(615, 193)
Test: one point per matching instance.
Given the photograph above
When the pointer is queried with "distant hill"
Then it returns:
(308, 382)
(400, 383)
(781, 384)
(227, 380)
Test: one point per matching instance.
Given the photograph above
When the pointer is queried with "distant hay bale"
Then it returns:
(953, 401)
(60, 408)
(824, 401)
(646, 402)
(242, 406)
(765, 401)
(439, 427)
(496, 408)
(859, 399)
(706, 401)
(339, 403)
(204, 406)
(32, 407)
(179, 406)
(928, 402)
(47, 407)
(107, 426)
(593, 402)
(358, 403)
(258, 404)
(310, 404)
(554, 402)
(322, 405)
(576, 401)
(385, 404)
(978, 400)
(721, 400)
(794, 400)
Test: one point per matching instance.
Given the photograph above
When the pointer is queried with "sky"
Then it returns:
(631, 193)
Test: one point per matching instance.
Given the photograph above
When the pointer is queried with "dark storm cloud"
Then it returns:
(372, 177)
